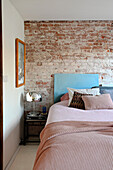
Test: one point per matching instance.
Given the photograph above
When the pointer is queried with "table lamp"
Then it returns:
(33, 97)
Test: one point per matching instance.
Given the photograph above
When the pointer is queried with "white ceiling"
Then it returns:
(65, 9)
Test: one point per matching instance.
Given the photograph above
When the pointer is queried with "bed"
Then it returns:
(75, 139)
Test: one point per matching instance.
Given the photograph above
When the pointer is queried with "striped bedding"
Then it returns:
(75, 145)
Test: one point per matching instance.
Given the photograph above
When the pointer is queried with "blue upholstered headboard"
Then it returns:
(77, 81)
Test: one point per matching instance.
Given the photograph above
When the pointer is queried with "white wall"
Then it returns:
(13, 27)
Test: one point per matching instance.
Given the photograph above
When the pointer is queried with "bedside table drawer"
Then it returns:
(36, 123)
(34, 130)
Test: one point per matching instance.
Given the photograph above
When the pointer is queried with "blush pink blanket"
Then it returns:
(71, 145)
(61, 112)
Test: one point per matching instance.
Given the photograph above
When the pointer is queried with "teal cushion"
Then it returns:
(107, 91)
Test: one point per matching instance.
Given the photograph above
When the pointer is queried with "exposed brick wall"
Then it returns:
(66, 47)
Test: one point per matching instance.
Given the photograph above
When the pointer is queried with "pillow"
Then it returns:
(77, 101)
(107, 91)
(65, 97)
(94, 91)
(103, 101)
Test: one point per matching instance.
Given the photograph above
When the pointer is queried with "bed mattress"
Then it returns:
(75, 139)
(61, 112)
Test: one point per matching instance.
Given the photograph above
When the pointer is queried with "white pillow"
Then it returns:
(94, 92)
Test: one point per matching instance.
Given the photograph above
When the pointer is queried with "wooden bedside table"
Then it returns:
(33, 127)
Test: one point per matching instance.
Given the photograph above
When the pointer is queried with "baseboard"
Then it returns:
(12, 159)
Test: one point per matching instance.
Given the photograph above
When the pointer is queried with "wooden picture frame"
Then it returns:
(20, 62)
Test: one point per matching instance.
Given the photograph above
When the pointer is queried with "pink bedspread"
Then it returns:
(61, 112)
(76, 146)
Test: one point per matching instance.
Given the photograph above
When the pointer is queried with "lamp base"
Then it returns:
(33, 114)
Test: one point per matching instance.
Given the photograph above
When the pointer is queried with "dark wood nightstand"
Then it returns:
(32, 128)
